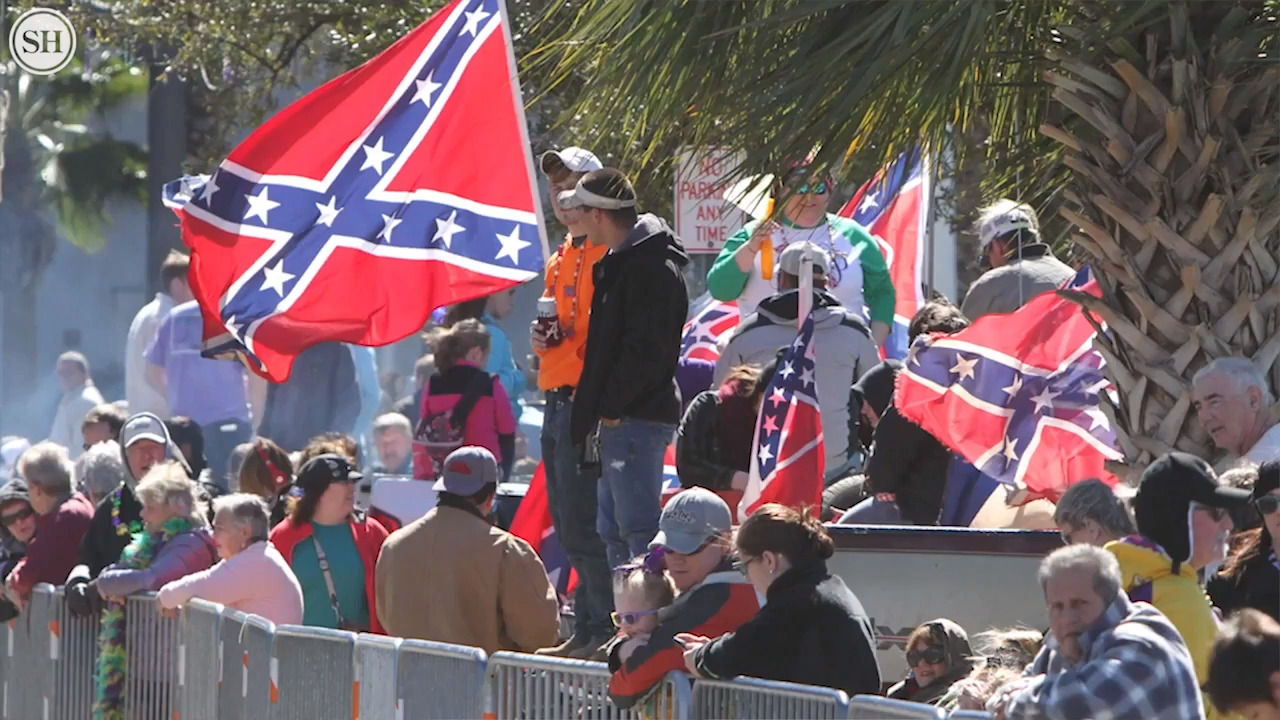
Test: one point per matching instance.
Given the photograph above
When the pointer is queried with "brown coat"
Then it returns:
(452, 577)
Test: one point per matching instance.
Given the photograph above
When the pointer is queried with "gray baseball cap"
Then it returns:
(691, 518)
(793, 255)
(467, 470)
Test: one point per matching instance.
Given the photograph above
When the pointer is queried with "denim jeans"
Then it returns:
(631, 456)
(571, 494)
(220, 438)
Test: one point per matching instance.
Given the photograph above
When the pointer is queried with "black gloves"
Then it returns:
(83, 599)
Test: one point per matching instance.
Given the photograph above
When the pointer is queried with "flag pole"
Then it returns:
(806, 286)
(524, 130)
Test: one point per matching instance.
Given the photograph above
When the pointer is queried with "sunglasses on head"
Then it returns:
(630, 618)
(1267, 504)
(931, 655)
(19, 516)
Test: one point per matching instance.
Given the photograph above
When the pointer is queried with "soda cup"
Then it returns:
(548, 322)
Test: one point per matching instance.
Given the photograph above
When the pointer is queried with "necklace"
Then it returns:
(123, 529)
(570, 290)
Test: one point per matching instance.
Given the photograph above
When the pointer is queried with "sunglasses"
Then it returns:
(1267, 504)
(811, 188)
(19, 516)
(630, 618)
(743, 564)
(931, 655)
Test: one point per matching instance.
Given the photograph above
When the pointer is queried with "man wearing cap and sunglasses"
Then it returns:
(571, 490)
(1023, 265)
(1184, 526)
(626, 404)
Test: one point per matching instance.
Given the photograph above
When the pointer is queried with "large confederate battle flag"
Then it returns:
(398, 187)
(894, 207)
(1017, 395)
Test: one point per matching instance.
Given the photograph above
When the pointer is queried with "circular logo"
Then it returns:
(42, 41)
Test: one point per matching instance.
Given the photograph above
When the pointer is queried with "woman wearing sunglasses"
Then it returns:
(1251, 576)
(746, 268)
(812, 628)
(938, 655)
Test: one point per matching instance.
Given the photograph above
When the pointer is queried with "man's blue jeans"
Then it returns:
(631, 456)
(571, 494)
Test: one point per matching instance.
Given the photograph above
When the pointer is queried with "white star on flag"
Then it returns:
(964, 368)
(474, 18)
(389, 223)
(787, 371)
(1044, 399)
(765, 455)
(425, 89)
(210, 187)
(260, 205)
(511, 245)
(275, 278)
(1096, 418)
(328, 212)
(374, 156)
(1015, 387)
(868, 202)
(1009, 450)
(447, 228)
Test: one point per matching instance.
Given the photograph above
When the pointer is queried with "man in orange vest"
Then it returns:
(571, 491)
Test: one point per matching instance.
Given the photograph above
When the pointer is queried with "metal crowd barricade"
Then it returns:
(232, 676)
(257, 667)
(750, 698)
(534, 687)
(970, 715)
(441, 682)
(74, 645)
(377, 676)
(314, 673)
(198, 668)
(871, 707)
(151, 678)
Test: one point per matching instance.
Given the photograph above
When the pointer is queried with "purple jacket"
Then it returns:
(187, 553)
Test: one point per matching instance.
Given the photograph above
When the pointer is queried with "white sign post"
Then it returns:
(704, 218)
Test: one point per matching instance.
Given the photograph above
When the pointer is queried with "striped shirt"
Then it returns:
(1135, 667)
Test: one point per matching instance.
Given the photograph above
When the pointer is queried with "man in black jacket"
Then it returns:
(626, 402)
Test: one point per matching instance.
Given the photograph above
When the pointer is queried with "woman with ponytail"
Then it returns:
(812, 628)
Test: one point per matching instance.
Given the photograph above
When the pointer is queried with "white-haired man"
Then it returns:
(1234, 403)
(1022, 264)
(1106, 656)
(393, 437)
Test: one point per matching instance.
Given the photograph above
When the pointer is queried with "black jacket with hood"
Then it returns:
(12, 548)
(103, 542)
(638, 313)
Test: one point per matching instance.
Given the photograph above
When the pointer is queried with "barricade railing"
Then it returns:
(535, 687)
(871, 707)
(216, 662)
(970, 715)
(749, 698)
(437, 681)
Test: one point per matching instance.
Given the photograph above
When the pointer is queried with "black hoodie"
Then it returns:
(638, 312)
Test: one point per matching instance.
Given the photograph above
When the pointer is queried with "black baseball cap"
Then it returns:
(1184, 478)
(322, 471)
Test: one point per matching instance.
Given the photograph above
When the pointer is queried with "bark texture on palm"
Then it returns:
(1173, 142)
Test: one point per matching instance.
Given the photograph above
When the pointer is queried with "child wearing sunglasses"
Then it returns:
(641, 589)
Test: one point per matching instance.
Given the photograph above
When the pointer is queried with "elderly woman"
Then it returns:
(938, 654)
(100, 470)
(812, 628)
(252, 577)
(174, 542)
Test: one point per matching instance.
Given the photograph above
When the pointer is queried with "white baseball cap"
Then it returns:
(1004, 217)
(575, 159)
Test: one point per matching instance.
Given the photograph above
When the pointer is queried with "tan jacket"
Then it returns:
(452, 577)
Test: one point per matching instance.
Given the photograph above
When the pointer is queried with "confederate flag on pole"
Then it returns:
(788, 463)
(400, 186)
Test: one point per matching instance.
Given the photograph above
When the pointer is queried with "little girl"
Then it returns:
(640, 590)
(462, 404)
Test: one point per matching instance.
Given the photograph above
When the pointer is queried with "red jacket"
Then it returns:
(369, 535)
(52, 553)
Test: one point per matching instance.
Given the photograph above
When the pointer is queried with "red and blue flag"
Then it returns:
(401, 186)
(894, 207)
(788, 460)
(706, 330)
(1018, 396)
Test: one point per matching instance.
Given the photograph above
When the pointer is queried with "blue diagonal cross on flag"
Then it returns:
(401, 186)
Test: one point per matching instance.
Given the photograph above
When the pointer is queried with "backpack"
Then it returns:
(440, 433)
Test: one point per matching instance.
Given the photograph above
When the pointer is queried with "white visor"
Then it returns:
(582, 197)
